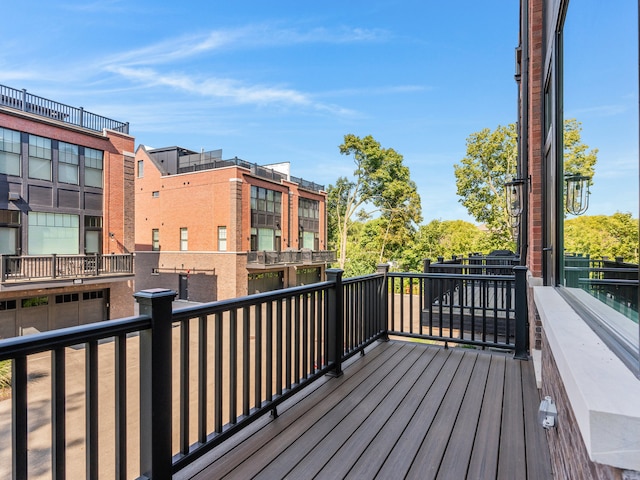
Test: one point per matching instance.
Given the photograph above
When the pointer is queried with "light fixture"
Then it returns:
(514, 191)
(577, 193)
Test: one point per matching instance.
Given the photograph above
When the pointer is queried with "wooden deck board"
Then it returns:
(404, 410)
(457, 455)
(512, 453)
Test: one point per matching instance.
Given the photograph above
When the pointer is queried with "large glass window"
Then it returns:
(600, 98)
(265, 239)
(93, 167)
(68, 163)
(53, 233)
(9, 152)
(39, 157)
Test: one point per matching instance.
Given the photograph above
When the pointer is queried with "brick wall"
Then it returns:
(569, 457)
(535, 139)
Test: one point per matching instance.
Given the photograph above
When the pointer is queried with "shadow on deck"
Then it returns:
(404, 410)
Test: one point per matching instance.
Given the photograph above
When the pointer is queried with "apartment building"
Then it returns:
(66, 215)
(214, 229)
(583, 311)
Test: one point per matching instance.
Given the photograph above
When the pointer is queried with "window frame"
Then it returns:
(184, 239)
(66, 162)
(93, 163)
(40, 158)
(11, 150)
(222, 238)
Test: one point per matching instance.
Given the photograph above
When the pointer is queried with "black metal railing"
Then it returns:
(485, 310)
(51, 267)
(615, 282)
(291, 257)
(211, 369)
(26, 102)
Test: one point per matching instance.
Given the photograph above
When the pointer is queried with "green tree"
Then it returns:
(445, 238)
(603, 236)
(491, 161)
(380, 182)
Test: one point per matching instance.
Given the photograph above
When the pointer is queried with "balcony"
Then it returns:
(16, 270)
(263, 259)
(339, 379)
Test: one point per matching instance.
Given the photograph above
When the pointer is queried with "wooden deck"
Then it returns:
(404, 410)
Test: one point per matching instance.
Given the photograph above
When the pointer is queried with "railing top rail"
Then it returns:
(65, 337)
(361, 278)
(456, 276)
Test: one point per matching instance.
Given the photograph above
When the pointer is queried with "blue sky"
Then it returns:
(273, 81)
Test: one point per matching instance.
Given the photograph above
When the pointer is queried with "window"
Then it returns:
(155, 239)
(9, 152)
(264, 200)
(599, 77)
(92, 234)
(67, 163)
(7, 305)
(266, 207)
(222, 239)
(9, 232)
(67, 298)
(155, 194)
(184, 239)
(34, 302)
(93, 167)
(53, 233)
(39, 158)
(92, 295)
(266, 239)
(140, 168)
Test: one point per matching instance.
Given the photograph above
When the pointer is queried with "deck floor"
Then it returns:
(404, 410)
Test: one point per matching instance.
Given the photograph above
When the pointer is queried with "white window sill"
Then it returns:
(604, 393)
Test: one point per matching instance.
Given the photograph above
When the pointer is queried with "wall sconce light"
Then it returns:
(111, 235)
(514, 191)
(577, 193)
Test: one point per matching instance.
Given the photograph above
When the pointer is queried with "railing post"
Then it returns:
(155, 383)
(2, 269)
(383, 304)
(54, 263)
(95, 258)
(521, 312)
(24, 100)
(335, 330)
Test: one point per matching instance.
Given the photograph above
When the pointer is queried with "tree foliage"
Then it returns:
(380, 182)
(603, 236)
(491, 161)
(446, 238)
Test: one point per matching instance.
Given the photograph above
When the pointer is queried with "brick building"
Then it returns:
(66, 215)
(583, 310)
(213, 229)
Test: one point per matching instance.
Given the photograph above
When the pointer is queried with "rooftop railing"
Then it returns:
(196, 162)
(27, 102)
(228, 362)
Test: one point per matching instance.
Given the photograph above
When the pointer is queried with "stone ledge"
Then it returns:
(602, 391)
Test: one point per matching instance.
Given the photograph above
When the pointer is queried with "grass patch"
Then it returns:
(5, 379)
